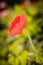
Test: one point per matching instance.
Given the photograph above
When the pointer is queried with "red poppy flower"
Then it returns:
(18, 25)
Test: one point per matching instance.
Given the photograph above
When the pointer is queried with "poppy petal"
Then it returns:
(18, 25)
(14, 22)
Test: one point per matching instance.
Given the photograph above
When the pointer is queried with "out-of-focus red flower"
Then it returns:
(18, 25)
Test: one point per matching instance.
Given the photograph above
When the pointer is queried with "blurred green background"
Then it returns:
(24, 49)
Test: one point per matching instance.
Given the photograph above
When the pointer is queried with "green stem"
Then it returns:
(33, 48)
